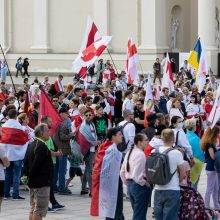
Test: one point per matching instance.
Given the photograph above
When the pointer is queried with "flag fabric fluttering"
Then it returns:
(215, 113)
(91, 35)
(203, 70)
(167, 80)
(198, 60)
(131, 63)
(149, 100)
(47, 108)
(88, 56)
(195, 55)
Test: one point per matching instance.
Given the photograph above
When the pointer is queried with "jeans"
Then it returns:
(139, 198)
(13, 172)
(55, 174)
(62, 172)
(87, 176)
(119, 206)
(166, 204)
(211, 189)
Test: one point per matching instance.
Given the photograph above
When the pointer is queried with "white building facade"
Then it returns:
(50, 32)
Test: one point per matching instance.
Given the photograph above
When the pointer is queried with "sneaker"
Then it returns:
(84, 192)
(65, 192)
(7, 197)
(57, 206)
(51, 210)
(19, 198)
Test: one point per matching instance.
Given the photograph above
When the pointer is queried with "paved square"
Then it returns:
(77, 207)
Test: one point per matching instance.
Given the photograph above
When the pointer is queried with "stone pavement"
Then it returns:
(77, 207)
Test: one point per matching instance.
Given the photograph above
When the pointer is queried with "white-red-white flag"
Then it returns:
(88, 56)
(215, 113)
(91, 35)
(167, 80)
(131, 63)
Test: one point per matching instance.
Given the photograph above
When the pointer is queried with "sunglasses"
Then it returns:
(55, 100)
(88, 115)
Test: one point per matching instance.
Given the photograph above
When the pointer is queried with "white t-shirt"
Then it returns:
(127, 104)
(2, 155)
(175, 159)
(129, 133)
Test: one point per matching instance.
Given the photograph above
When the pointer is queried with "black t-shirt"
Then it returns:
(140, 115)
(101, 123)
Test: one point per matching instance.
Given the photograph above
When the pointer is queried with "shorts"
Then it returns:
(2, 183)
(39, 200)
(75, 171)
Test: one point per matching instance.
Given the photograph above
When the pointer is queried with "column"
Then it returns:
(40, 41)
(153, 28)
(101, 15)
(206, 30)
(3, 23)
(206, 23)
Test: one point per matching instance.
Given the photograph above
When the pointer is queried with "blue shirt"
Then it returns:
(208, 160)
(194, 141)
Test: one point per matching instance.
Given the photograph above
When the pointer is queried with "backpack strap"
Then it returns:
(122, 129)
(166, 152)
(177, 138)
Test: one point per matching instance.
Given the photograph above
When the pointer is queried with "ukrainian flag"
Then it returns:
(195, 55)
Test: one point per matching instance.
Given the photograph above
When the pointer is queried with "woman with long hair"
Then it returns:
(195, 110)
(176, 109)
(133, 175)
(209, 144)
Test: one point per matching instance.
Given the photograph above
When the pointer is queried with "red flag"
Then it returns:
(48, 109)
(2, 96)
(27, 110)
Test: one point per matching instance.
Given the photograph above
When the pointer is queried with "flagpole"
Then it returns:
(112, 60)
(8, 68)
(141, 67)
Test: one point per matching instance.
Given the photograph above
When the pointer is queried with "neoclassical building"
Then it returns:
(50, 32)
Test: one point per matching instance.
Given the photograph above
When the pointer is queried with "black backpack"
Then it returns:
(158, 167)
(123, 146)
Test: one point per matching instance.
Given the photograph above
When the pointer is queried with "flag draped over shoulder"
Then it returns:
(149, 100)
(167, 80)
(88, 56)
(14, 139)
(84, 138)
(215, 113)
(94, 210)
(27, 110)
(131, 63)
(48, 109)
(109, 179)
(91, 35)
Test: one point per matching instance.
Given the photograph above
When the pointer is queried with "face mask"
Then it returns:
(180, 125)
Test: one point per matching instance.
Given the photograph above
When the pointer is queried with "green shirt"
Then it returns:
(74, 161)
(51, 147)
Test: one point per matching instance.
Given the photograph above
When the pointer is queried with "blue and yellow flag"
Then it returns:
(195, 55)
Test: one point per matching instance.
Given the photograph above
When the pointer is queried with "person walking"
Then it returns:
(134, 176)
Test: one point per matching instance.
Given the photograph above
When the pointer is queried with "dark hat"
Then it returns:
(152, 117)
(63, 110)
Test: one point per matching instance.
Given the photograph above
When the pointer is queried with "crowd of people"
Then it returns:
(105, 129)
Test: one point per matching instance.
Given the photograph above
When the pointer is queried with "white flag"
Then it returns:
(215, 113)
(149, 100)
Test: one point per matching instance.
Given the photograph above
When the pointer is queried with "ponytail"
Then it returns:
(129, 154)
